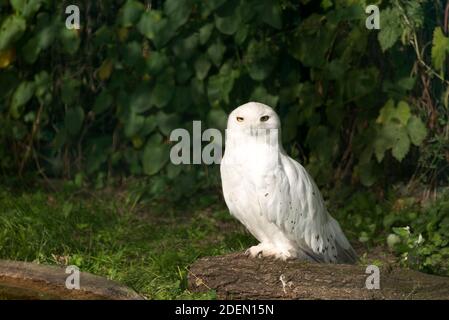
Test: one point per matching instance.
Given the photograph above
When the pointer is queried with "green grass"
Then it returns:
(148, 245)
(147, 248)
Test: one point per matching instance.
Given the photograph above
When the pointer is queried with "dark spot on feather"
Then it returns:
(317, 237)
(266, 194)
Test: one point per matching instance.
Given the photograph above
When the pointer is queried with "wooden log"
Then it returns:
(25, 280)
(236, 276)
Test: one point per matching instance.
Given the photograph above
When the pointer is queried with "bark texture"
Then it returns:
(236, 276)
(31, 281)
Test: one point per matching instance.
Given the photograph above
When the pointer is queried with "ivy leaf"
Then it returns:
(220, 85)
(207, 7)
(380, 146)
(140, 100)
(311, 42)
(360, 82)
(440, 48)
(156, 28)
(178, 11)
(73, 120)
(173, 171)
(105, 70)
(43, 87)
(401, 146)
(202, 66)
(387, 112)
(217, 118)
(156, 62)
(403, 112)
(182, 99)
(7, 57)
(347, 13)
(70, 89)
(321, 140)
(260, 94)
(134, 122)
(130, 13)
(241, 34)
(149, 125)
(390, 34)
(167, 122)
(326, 4)
(162, 92)
(132, 54)
(70, 40)
(205, 32)
(392, 136)
(184, 48)
(386, 138)
(228, 25)
(46, 32)
(416, 130)
(270, 12)
(26, 8)
(367, 173)
(11, 30)
(155, 155)
(21, 96)
(216, 52)
(102, 102)
(31, 50)
(258, 61)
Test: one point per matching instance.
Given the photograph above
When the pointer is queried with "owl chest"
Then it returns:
(254, 160)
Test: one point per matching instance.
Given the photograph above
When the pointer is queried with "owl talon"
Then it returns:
(260, 251)
(255, 251)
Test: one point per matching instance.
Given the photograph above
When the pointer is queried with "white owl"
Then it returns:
(273, 195)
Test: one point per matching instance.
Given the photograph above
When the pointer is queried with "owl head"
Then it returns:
(253, 116)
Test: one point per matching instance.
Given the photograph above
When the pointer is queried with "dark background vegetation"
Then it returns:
(366, 111)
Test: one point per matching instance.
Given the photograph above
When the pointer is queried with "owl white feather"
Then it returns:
(273, 196)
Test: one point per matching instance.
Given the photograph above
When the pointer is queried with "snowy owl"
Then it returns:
(273, 196)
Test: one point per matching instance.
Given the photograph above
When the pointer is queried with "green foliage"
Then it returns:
(423, 244)
(109, 236)
(397, 130)
(102, 100)
(388, 36)
(440, 48)
(418, 234)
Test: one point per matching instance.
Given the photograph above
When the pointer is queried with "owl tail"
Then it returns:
(345, 252)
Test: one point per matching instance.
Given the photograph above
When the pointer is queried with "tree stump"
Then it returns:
(236, 276)
(31, 281)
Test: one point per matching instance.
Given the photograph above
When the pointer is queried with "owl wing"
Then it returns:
(289, 197)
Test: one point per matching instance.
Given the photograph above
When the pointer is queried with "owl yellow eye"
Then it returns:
(240, 119)
(264, 118)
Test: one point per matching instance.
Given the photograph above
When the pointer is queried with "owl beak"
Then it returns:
(252, 131)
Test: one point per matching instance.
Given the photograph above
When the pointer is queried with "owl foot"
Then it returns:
(261, 250)
(284, 256)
